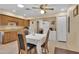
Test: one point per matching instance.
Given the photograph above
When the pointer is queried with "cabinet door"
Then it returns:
(13, 36)
(26, 22)
(6, 37)
(12, 20)
(0, 20)
(9, 37)
(21, 23)
(4, 20)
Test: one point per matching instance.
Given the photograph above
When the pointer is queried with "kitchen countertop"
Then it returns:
(10, 28)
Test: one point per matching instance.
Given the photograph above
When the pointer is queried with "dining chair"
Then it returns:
(41, 31)
(24, 48)
(45, 44)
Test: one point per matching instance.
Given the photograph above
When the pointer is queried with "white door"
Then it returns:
(61, 28)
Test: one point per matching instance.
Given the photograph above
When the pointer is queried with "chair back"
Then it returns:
(22, 43)
(47, 36)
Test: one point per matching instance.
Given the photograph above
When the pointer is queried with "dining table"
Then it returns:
(36, 39)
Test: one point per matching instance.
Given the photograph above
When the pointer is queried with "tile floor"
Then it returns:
(12, 48)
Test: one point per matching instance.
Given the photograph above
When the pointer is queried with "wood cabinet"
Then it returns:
(26, 23)
(11, 36)
(0, 19)
(4, 20)
(21, 23)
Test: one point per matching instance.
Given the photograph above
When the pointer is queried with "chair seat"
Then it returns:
(30, 46)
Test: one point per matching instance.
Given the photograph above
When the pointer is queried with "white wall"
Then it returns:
(73, 36)
(33, 26)
(44, 25)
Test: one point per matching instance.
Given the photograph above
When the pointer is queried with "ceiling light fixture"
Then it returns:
(42, 11)
(62, 9)
(20, 5)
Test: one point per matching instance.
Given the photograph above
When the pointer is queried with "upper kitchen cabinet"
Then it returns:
(3, 20)
(26, 22)
(9, 20)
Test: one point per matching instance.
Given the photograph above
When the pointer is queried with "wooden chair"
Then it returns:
(41, 31)
(24, 48)
(45, 45)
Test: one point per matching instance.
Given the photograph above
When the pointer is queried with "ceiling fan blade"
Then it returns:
(49, 8)
(43, 7)
(35, 8)
(27, 9)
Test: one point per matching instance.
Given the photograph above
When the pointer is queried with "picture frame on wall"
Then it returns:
(75, 11)
(68, 24)
(78, 9)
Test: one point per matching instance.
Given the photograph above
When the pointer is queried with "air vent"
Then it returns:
(27, 9)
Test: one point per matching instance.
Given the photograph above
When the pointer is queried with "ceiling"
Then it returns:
(34, 12)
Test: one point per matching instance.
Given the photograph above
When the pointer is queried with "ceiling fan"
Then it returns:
(43, 7)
